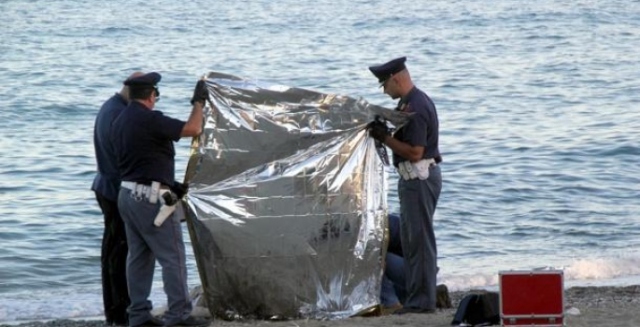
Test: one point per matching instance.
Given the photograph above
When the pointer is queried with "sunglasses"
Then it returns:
(155, 88)
(384, 83)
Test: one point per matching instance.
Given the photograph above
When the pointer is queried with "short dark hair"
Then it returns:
(140, 92)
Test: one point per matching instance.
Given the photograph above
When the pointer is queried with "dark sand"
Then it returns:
(597, 306)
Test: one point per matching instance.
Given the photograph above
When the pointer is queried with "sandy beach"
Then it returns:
(596, 306)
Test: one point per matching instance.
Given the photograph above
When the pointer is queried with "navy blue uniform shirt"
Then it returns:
(107, 180)
(143, 140)
(422, 128)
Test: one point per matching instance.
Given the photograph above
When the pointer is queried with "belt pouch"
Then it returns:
(422, 169)
(153, 196)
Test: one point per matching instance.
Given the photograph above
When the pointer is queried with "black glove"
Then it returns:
(180, 189)
(169, 198)
(378, 130)
(200, 93)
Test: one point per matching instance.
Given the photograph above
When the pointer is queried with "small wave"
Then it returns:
(602, 271)
(14, 188)
(114, 29)
(469, 281)
(622, 150)
(602, 268)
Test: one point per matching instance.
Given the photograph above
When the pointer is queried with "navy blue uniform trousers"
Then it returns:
(113, 260)
(418, 200)
(148, 243)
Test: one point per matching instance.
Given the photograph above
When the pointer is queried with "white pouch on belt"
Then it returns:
(407, 171)
(411, 170)
(422, 168)
(153, 193)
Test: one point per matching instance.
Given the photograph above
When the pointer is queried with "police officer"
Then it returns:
(416, 156)
(106, 185)
(144, 146)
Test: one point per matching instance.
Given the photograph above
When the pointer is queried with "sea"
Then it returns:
(538, 102)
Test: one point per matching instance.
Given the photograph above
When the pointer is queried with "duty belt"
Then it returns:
(152, 192)
(419, 169)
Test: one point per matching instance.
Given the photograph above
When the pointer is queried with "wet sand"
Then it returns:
(597, 306)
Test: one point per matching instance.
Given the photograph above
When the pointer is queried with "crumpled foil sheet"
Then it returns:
(287, 202)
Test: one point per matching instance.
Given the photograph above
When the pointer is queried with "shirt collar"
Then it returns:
(406, 97)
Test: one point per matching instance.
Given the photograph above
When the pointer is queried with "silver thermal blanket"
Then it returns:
(287, 202)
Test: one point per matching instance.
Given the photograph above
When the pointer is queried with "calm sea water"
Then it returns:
(538, 105)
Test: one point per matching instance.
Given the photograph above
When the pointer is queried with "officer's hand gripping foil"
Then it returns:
(380, 147)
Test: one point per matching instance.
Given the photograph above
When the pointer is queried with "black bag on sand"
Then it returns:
(481, 309)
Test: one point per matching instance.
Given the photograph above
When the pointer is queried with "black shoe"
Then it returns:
(413, 310)
(151, 323)
(192, 322)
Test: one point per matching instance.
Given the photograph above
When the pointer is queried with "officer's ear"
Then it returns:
(393, 79)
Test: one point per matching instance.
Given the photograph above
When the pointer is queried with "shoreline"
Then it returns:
(612, 306)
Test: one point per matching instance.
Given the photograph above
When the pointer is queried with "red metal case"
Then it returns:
(532, 298)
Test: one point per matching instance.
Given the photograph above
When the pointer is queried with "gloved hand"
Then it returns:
(378, 130)
(200, 93)
(180, 189)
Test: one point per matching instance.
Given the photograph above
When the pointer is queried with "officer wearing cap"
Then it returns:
(416, 156)
(106, 184)
(143, 141)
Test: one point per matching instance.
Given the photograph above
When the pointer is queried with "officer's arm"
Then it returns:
(193, 127)
(405, 150)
